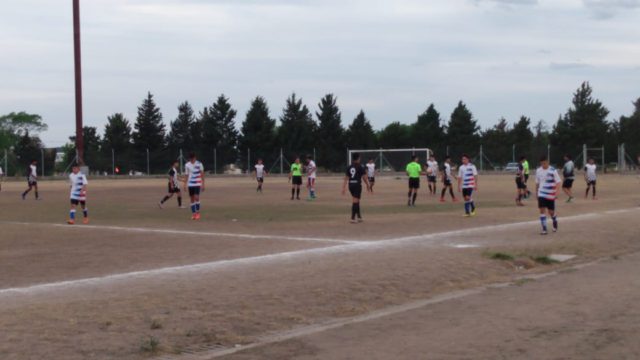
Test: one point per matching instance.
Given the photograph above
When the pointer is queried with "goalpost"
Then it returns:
(390, 160)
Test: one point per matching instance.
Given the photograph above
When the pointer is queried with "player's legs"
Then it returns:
(179, 198)
(24, 194)
(543, 218)
(593, 184)
(586, 192)
(72, 212)
(554, 219)
(311, 186)
(35, 188)
(356, 194)
(85, 212)
(469, 205)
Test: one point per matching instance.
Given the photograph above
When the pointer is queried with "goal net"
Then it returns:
(391, 160)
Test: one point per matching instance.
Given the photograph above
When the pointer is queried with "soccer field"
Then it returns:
(261, 276)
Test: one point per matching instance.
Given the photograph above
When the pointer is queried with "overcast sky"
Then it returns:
(503, 58)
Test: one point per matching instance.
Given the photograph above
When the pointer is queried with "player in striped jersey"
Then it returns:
(78, 195)
(194, 181)
(467, 183)
(547, 182)
(174, 185)
(447, 180)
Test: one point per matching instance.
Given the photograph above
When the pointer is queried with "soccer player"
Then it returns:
(78, 195)
(568, 174)
(311, 177)
(525, 164)
(447, 180)
(32, 179)
(295, 177)
(371, 173)
(174, 185)
(194, 182)
(590, 178)
(547, 182)
(467, 183)
(521, 186)
(432, 174)
(260, 174)
(1, 177)
(354, 177)
(414, 169)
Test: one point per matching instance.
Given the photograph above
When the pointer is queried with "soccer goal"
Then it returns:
(597, 154)
(390, 160)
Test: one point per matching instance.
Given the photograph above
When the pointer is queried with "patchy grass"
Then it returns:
(149, 345)
(500, 256)
(155, 325)
(523, 281)
(544, 260)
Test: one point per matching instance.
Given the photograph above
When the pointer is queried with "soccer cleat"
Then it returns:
(466, 215)
(473, 213)
(569, 199)
(193, 217)
(160, 205)
(354, 221)
(70, 222)
(360, 220)
(197, 216)
(85, 220)
(543, 232)
(23, 197)
(443, 200)
(182, 207)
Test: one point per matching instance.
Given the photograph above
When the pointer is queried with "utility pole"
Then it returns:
(78, 81)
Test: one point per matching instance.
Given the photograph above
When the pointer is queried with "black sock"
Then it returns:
(594, 191)
(409, 195)
(444, 191)
(179, 201)
(358, 211)
(166, 197)
(435, 190)
(353, 211)
(415, 195)
(38, 196)
(298, 192)
(293, 192)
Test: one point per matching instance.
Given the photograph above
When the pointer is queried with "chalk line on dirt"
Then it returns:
(269, 258)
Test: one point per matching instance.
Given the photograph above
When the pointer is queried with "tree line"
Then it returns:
(212, 132)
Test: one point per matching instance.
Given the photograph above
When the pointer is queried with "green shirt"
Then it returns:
(296, 169)
(525, 165)
(414, 169)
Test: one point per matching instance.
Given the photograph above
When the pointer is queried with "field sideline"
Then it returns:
(260, 265)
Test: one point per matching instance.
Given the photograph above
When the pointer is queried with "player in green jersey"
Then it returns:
(414, 169)
(295, 177)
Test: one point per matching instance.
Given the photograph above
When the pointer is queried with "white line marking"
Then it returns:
(271, 258)
(183, 232)
(374, 315)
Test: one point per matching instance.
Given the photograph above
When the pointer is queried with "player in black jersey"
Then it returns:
(356, 173)
(521, 184)
(174, 185)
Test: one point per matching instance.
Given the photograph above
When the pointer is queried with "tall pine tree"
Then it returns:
(395, 135)
(462, 131)
(297, 128)
(116, 142)
(521, 136)
(219, 131)
(330, 134)
(360, 134)
(149, 134)
(428, 130)
(181, 133)
(258, 132)
(629, 129)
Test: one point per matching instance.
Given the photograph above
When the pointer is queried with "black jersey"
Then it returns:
(520, 171)
(355, 174)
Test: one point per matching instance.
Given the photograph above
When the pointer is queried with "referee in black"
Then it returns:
(354, 176)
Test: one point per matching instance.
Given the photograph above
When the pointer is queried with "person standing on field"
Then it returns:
(295, 177)
(414, 169)
(194, 183)
(590, 177)
(547, 182)
(354, 176)
(525, 165)
(32, 180)
(568, 174)
(467, 184)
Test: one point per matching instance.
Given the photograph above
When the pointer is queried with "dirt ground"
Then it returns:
(140, 282)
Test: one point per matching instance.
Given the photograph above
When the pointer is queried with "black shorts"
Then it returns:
(296, 180)
(567, 184)
(526, 178)
(260, 180)
(414, 183)
(76, 202)
(591, 182)
(355, 190)
(467, 192)
(446, 182)
(32, 182)
(173, 189)
(520, 184)
(194, 190)
(546, 204)
(372, 180)
(431, 178)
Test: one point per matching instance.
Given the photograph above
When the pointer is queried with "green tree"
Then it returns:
(584, 123)
(15, 125)
(462, 131)
(27, 148)
(116, 142)
(330, 134)
(629, 130)
(395, 135)
(92, 152)
(149, 135)
(258, 132)
(219, 131)
(497, 142)
(181, 131)
(296, 133)
(522, 137)
(428, 130)
(360, 134)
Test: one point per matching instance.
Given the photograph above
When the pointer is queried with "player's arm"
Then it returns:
(366, 181)
(344, 184)
(459, 181)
